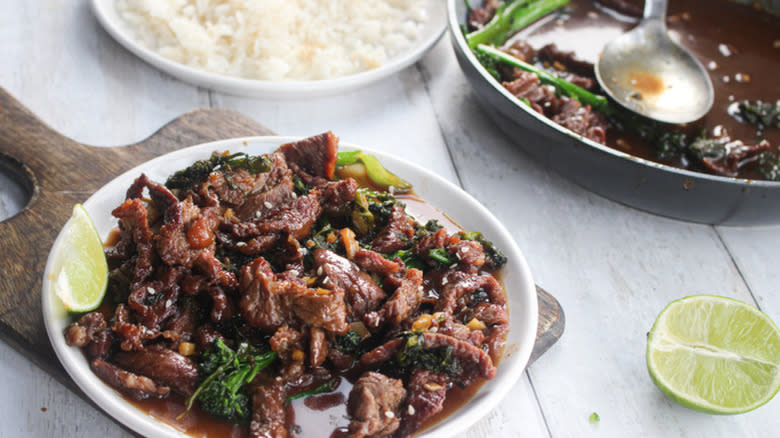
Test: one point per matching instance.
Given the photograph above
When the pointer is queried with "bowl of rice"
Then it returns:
(275, 48)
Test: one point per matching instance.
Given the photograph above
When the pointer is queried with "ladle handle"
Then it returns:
(655, 10)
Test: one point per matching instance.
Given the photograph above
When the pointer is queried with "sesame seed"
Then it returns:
(463, 249)
(169, 303)
(240, 244)
(319, 271)
(151, 290)
(258, 213)
(268, 204)
(389, 414)
(444, 281)
(411, 410)
(724, 50)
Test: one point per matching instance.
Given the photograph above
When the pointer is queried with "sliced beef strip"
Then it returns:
(470, 254)
(397, 234)
(474, 361)
(275, 192)
(265, 301)
(563, 110)
(162, 365)
(205, 335)
(336, 196)
(362, 294)
(230, 186)
(161, 196)
(373, 405)
(131, 335)
(269, 419)
(132, 385)
(581, 119)
(315, 155)
(155, 301)
(426, 392)
(181, 326)
(133, 220)
(459, 285)
(295, 219)
(581, 72)
(285, 340)
(91, 333)
(374, 262)
(381, 354)
(401, 304)
(480, 15)
(186, 231)
(322, 308)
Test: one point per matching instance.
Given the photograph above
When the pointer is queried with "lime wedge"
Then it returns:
(714, 354)
(80, 272)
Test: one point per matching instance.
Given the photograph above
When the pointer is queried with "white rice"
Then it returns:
(276, 40)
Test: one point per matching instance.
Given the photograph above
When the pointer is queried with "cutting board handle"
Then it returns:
(57, 172)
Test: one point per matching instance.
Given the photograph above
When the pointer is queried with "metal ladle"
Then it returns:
(648, 73)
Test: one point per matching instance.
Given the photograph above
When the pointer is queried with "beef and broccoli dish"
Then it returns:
(738, 45)
(244, 283)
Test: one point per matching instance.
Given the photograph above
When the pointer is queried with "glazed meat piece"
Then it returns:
(397, 234)
(162, 365)
(362, 294)
(314, 156)
(133, 222)
(132, 385)
(373, 405)
(574, 70)
(272, 191)
(322, 308)
(264, 298)
(426, 394)
(91, 333)
(401, 304)
(269, 419)
(296, 220)
(562, 110)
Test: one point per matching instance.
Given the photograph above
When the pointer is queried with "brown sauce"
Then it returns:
(316, 416)
(736, 43)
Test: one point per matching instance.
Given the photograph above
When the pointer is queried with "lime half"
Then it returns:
(80, 270)
(715, 354)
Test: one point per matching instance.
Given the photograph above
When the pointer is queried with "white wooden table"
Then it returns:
(611, 267)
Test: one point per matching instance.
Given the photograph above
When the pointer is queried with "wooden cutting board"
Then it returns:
(59, 172)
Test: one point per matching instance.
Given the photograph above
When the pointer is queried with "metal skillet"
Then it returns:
(633, 181)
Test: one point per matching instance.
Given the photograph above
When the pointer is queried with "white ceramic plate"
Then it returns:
(108, 17)
(440, 193)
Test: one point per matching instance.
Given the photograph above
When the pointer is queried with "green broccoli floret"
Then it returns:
(510, 17)
(200, 170)
(413, 354)
(222, 392)
(761, 114)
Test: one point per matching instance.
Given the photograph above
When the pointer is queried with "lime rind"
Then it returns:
(715, 354)
(81, 269)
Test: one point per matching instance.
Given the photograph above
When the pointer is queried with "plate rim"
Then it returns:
(434, 29)
(478, 407)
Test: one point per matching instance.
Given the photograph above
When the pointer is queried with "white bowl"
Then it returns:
(438, 192)
(434, 27)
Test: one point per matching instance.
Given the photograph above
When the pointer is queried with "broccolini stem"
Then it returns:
(511, 17)
(585, 97)
(325, 387)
